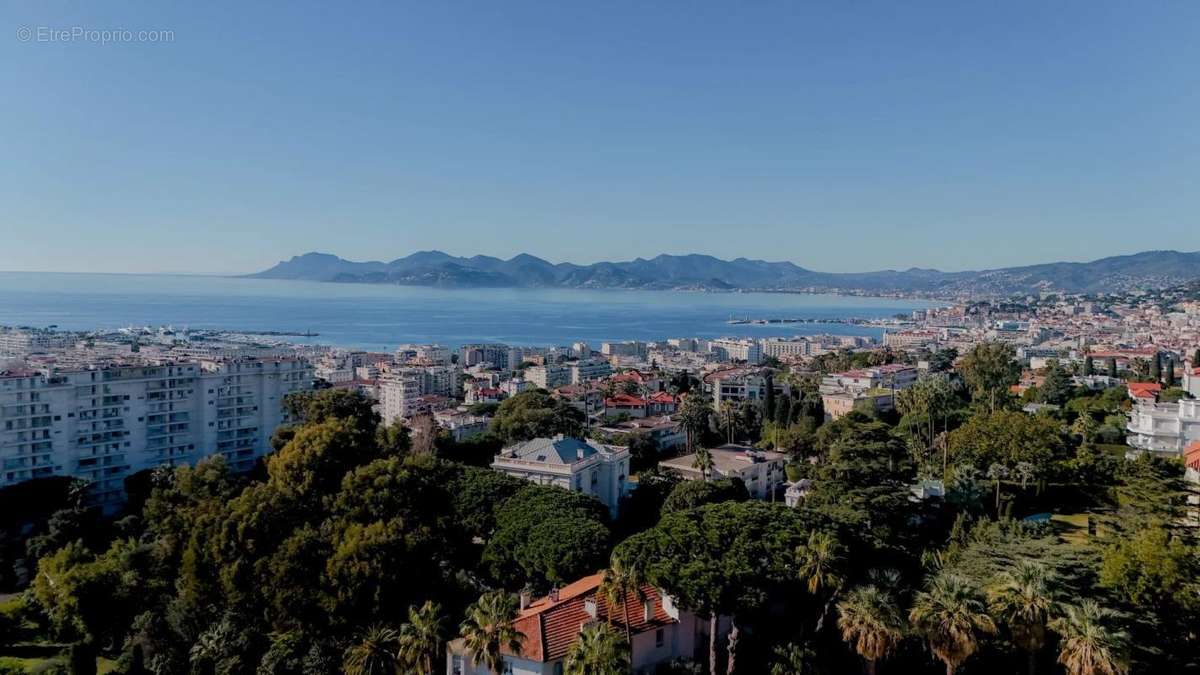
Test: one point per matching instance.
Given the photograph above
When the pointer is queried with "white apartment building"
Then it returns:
(736, 349)
(628, 348)
(102, 425)
(570, 463)
(495, 354)
(586, 370)
(1165, 428)
(782, 348)
(398, 394)
(895, 376)
(19, 341)
(548, 376)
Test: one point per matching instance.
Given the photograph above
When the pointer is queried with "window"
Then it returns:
(658, 637)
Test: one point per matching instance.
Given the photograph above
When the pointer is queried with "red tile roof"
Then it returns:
(550, 627)
(663, 397)
(1191, 455)
(1144, 389)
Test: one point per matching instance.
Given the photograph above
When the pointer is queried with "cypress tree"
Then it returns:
(769, 397)
(1089, 366)
(1112, 366)
(1156, 368)
(1170, 376)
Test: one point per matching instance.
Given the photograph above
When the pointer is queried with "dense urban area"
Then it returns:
(993, 487)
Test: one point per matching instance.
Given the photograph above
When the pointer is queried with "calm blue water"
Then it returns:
(380, 317)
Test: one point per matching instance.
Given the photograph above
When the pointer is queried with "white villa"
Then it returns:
(590, 468)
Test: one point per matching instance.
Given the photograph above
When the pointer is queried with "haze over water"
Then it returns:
(378, 317)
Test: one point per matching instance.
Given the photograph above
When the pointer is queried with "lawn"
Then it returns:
(1072, 528)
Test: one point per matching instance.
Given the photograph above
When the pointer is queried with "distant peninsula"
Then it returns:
(1141, 271)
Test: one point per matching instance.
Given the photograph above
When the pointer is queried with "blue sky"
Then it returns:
(843, 136)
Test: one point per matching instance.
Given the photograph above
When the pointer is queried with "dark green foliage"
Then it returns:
(546, 535)
(692, 494)
(535, 414)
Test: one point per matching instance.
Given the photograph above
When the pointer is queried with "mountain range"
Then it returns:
(1139, 271)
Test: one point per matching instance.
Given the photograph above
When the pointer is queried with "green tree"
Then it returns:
(489, 631)
(1111, 367)
(536, 414)
(1090, 645)
(989, 370)
(1008, 437)
(691, 494)
(1156, 367)
(694, 416)
(374, 653)
(1089, 366)
(951, 614)
(1023, 600)
(1056, 385)
(871, 621)
(703, 461)
(420, 640)
(546, 535)
(598, 650)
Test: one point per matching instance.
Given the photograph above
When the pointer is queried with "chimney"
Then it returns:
(526, 599)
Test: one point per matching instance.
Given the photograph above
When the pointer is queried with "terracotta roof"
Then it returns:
(1191, 455)
(1144, 389)
(550, 627)
(663, 397)
(625, 401)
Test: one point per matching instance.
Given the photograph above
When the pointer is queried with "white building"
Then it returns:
(1164, 427)
(782, 348)
(895, 377)
(592, 469)
(398, 394)
(548, 376)
(586, 370)
(103, 425)
(736, 349)
(19, 341)
(761, 470)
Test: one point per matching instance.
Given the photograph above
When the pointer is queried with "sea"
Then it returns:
(379, 317)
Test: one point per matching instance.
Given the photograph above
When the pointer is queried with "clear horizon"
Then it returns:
(840, 138)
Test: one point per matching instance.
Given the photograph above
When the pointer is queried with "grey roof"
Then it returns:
(557, 450)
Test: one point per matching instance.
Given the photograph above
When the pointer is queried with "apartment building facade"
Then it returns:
(102, 425)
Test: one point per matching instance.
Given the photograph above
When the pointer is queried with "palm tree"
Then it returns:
(619, 584)
(729, 419)
(598, 650)
(703, 462)
(1090, 646)
(818, 564)
(488, 629)
(421, 638)
(693, 417)
(997, 472)
(1022, 600)
(871, 620)
(819, 561)
(374, 654)
(953, 618)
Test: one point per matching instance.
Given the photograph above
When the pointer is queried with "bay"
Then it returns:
(378, 317)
